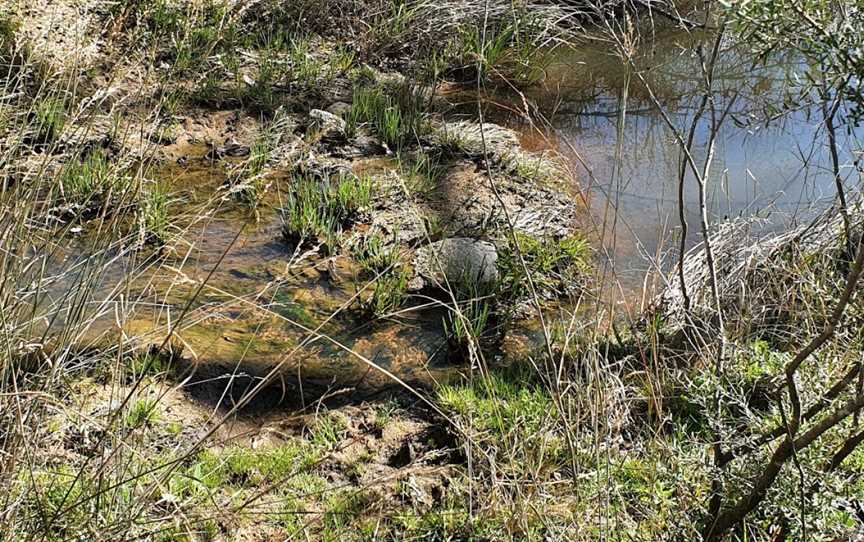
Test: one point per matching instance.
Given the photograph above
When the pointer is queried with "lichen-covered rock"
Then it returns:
(321, 166)
(457, 261)
(340, 109)
(396, 218)
(465, 200)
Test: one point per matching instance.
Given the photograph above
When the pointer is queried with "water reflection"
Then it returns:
(769, 161)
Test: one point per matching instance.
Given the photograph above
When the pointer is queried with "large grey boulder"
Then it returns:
(459, 261)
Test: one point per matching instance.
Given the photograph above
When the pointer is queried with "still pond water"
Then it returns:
(769, 162)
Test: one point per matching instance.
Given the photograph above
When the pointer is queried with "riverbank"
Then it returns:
(327, 271)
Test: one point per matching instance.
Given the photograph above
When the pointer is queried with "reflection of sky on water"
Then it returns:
(782, 171)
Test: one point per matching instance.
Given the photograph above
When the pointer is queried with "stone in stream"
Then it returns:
(457, 261)
(231, 148)
(327, 125)
(340, 109)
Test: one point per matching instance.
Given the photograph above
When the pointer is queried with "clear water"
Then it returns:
(768, 162)
(779, 170)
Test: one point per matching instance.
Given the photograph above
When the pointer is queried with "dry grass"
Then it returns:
(116, 425)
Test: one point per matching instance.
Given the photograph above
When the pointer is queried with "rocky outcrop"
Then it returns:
(526, 190)
(458, 221)
(499, 146)
(448, 205)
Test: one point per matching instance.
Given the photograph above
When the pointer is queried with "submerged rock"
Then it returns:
(457, 261)
(358, 147)
(231, 148)
(220, 134)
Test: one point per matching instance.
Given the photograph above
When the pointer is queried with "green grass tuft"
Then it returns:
(555, 265)
(143, 412)
(156, 214)
(388, 294)
(385, 263)
(319, 210)
(396, 115)
(248, 183)
(469, 323)
(93, 182)
(375, 255)
(423, 171)
(508, 50)
(49, 117)
(509, 413)
(149, 364)
(244, 467)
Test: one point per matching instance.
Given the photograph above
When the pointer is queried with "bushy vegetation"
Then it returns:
(555, 265)
(507, 52)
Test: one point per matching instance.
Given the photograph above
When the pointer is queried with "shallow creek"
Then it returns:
(260, 302)
(261, 306)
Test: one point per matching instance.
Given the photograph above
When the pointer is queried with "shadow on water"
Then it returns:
(250, 388)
